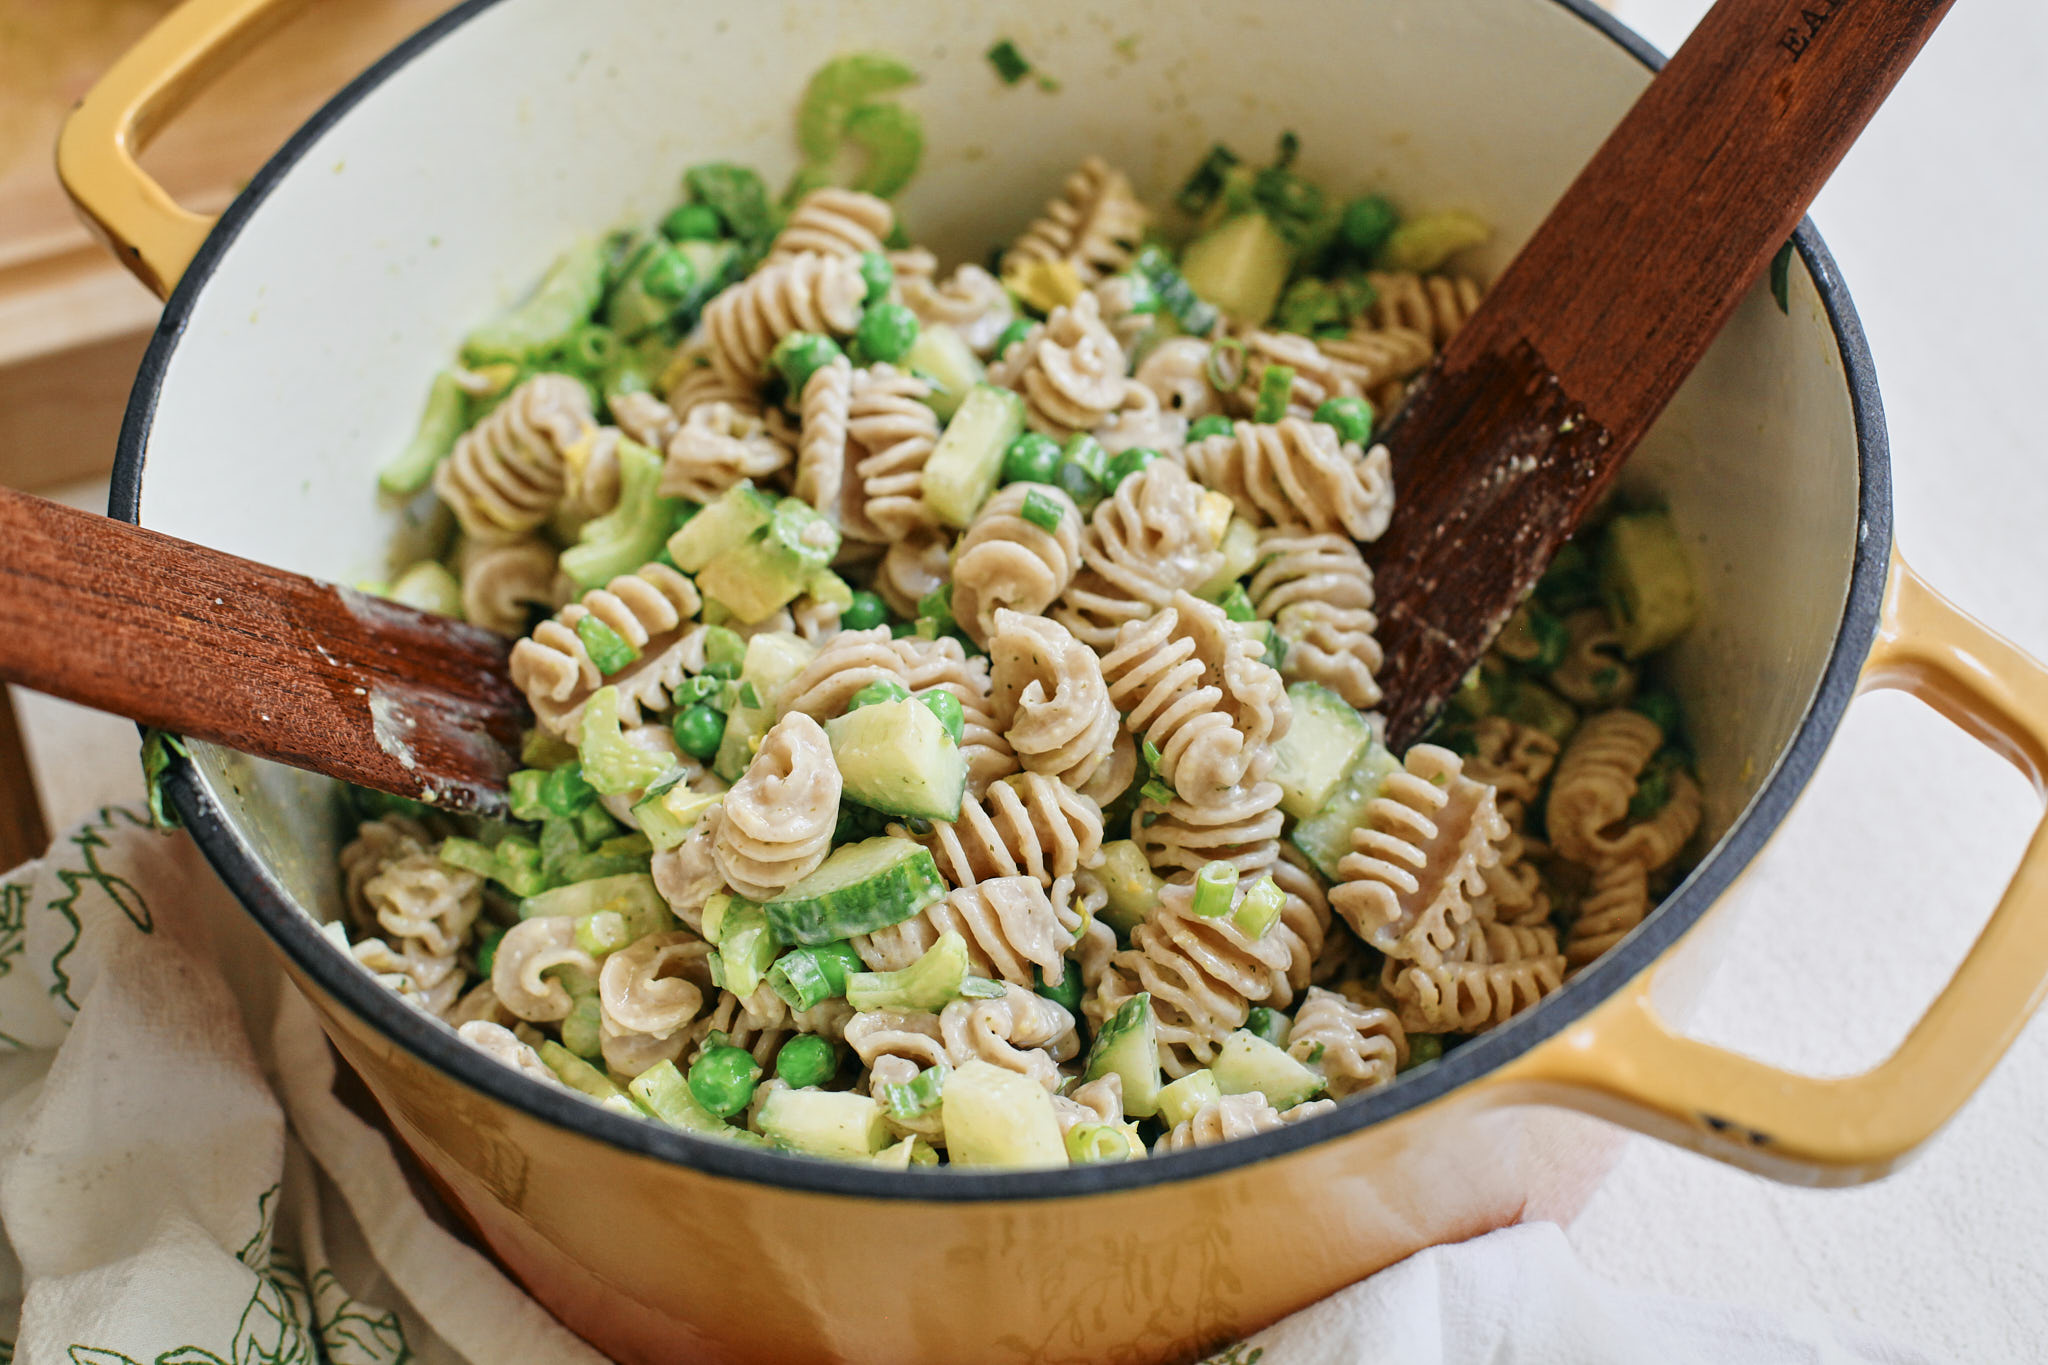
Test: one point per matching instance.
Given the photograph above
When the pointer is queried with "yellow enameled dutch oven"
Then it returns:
(293, 356)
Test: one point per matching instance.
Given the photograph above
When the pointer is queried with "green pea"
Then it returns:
(886, 333)
(1423, 1048)
(807, 1059)
(1010, 336)
(699, 730)
(723, 1079)
(1351, 416)
(876, 693)
(946, 707)
(1367, 223)
(1126, 463)
(1031, 458)
(669, 276)
(880, 275)
(1067, 993)
(1202, 428)
(693, 223)
(865, 612)
(801, 354)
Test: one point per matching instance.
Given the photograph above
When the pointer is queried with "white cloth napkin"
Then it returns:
(180, 1186)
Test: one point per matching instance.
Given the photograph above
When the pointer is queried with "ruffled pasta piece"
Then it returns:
(1003, 560)
(495, 1040)
(1098, 1101)
(894, 1045)
(1380, 360)
(1022, 1032)
(1232, 1117)
(1295, 473)
(529, 950)
(831, 221)
(1177, 373)
(1204, 976)
(421, 899)
(1139, 420)
(480, 1003)
(1144, 542)
(1010, 924)
(1318, 375)
(692, 380)
(1515, 893)
(1117, 299)
(502, 584)
(1069, 369)
(506, 473)
(1197, 687)
(943, 663)
(378, 844)
(1434, 305)
(850, 661)
(645, 418)
(1504, 971)
(1094, 225)
(802, 293)
(716, 446)
(1240, 827)
(1029, 825)
(918, 564)
(821, 463)
(1513, 759)
(1587, 815)
(687, 875)
(1354, 1047)
(972, 302)
(1594, 671)
(1415, 869)
(652, 610)
(775, 825)
(430, 982)
(1616, 901)
(1050, 699)
(1317, 591)
(655, 985)
(891, 433)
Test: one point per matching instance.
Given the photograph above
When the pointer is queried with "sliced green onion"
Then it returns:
(1087, 452)
(1158, 791)
(1151, 755)
(700, 688)
(1091, 1143)
(1206, 183)
(523, 790)
(1269, 1024)
(1276, 391)
(1260, 909)
(748, 695)
(1225, 366)
(1215, 887)
(609, 651)
(721, 673)
(982, 988)
(810, 974)
(916, 1098)
(1041, 511)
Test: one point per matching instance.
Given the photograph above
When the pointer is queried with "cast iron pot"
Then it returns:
(293, 357)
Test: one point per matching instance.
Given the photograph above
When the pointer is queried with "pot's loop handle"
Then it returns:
(152, 234)
(1623, 1063)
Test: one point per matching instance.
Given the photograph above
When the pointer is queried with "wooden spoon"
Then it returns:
(1504, 445)
(1525, 418)
(203, 644)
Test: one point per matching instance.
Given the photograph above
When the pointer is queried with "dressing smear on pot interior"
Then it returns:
(955, 682)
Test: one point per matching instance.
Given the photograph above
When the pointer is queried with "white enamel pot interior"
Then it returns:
(296, 353)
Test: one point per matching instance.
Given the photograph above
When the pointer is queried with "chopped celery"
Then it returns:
(919, 1096)
(441, 421)
(609, 651)
(586, 1079)
(1427, 243)
(613, 764)
(540, 748)
(565, 298)
(747, 945)
(514, 863)
(665, 1094)
(522, 793)
(668, 813)
(926, 984)
(725, 524)
(631, 533)
(997, 1117)
(631, 896)
(840, 1124)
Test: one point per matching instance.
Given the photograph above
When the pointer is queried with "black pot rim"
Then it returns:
(436, 1045)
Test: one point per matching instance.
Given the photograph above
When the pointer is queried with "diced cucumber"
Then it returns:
(1325, 836)
(935, 980)
(1646, 581)
(858, 889)
(947, 363)
(1247, 1062)
(843, 1124)
(1132, 885)
(612, 763)
(1240, 548)
(1213, 510)
(896, 756)
(901, 1156)
(1181, 1100)
(1240, 265)
(739, 512)
(565, 298)
(996, 1117)
(586, 1079)
(753, 579)
(1310, 760)
(633, 896)
(1424, 244)
(1128, 1044)
(668, 813)
(772, 661)
(664, 1093)
(747, 947)
(964, 466)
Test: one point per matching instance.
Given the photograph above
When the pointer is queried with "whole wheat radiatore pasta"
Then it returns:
(947, 672)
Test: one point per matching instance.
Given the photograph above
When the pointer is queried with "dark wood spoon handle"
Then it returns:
(204, 644)
(1525, 418)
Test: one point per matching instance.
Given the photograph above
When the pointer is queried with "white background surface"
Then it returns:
(1860, 909)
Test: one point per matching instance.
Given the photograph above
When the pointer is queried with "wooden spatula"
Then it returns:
(1525, 418)
(218, 648)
